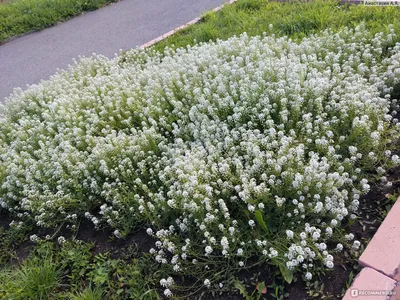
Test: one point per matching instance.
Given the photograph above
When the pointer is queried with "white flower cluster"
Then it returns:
(239, 148)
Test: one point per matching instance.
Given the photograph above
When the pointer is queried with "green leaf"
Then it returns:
(260, 220)
(120, 291)
(241, 289)
(261, 288)
(286, 273)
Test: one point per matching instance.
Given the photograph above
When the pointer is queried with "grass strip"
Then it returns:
(296, 19)
(22, 16)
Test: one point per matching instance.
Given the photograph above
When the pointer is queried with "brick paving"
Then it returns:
(381, 261)
(383, 251)
(368, 281)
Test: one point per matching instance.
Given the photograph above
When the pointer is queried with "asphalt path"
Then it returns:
(123, 25)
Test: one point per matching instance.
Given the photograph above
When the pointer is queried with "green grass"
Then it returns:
(22, 16)
(293, 18)
(88, 294)
(70, 271)
(36, 279)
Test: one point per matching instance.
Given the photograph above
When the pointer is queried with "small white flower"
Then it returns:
(329, 264)
(322, 246)
(224, 243)
(315, 235)
(167, 293)
(329, 231)
(34, 238)
(208, 250)
(356, 245)
(308, 276)
(207, 283)
(163, 282)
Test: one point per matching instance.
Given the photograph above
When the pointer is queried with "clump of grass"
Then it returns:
(296, 19)
(70, 271)
(89, 294)
(34, 280)
(21, 16)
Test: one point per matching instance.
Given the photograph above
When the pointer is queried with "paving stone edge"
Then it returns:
(171, 32)
(384, 229)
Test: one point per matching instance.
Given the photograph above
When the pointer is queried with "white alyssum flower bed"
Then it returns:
(246, 148)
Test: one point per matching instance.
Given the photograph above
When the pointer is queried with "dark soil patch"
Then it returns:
(105, 241)
(5, 219)
(297, 291)
(23, 251)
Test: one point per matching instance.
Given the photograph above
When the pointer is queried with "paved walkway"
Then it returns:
(121, 25)
(380, 278)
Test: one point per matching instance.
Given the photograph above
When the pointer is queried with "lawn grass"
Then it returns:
(22, 16)
(296, 19)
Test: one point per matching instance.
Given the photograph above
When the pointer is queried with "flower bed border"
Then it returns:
(380, 277)
(171, 32)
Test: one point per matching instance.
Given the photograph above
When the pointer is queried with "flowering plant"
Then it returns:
(226, 151)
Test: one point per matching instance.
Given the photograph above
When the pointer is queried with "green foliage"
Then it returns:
(22, 16)
(134, 281)
(260, 220)
(75, 258)
(276, 290)
(293, 18)
(255, 295)
(103, 268)
(242, 289)
(88, 294)
(117, 279)
(315, 290)
(36, 279)
(71, 271)
(9, 239)
(286, 273)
